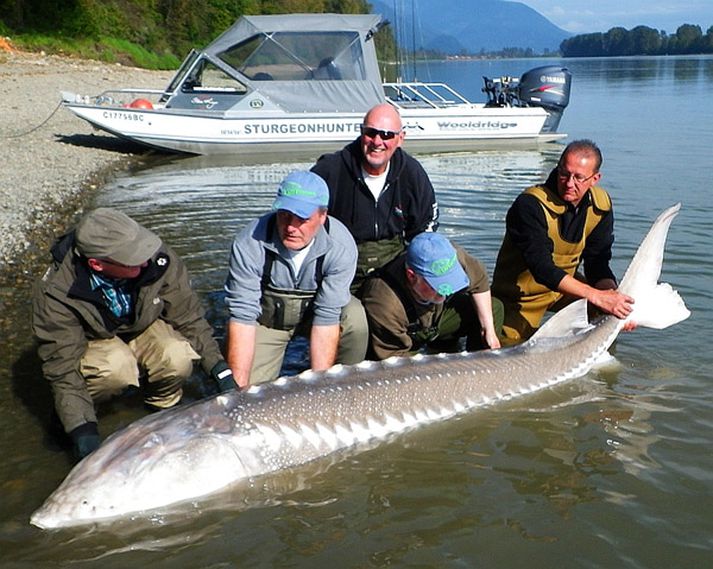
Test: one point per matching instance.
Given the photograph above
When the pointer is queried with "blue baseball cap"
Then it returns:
(432, 256)
(302, 193)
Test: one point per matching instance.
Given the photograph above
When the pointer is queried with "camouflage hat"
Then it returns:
(110, 234)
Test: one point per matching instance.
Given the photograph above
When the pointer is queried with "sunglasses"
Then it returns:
(383, 134)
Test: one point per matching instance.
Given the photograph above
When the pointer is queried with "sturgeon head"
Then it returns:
(171, 456)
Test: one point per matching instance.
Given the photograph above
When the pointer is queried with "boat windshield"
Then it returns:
(203, 76)
(206, 76)
(298, 56)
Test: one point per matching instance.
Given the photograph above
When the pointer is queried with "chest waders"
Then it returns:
(285, 309)
(527, 302)
(373, 255)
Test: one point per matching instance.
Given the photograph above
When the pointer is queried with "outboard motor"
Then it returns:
(546, 87)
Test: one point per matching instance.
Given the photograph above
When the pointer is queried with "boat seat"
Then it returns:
(327, 69)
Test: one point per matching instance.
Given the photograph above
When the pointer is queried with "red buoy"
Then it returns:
(140, 104)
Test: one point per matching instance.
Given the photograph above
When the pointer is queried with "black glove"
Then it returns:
(86, 440)
(223, 376)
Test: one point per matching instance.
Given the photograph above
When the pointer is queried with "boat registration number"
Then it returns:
(123, 116)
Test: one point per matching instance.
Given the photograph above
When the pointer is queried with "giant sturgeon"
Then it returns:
(201, 448)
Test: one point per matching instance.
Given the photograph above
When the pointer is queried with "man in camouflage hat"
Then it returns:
(116, 309)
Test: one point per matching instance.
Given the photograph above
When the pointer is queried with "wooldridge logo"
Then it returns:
(476, 125)
(294, 190)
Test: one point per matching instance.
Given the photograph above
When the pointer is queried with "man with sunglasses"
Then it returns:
(116, 309)
(550, 230)
(381, 193)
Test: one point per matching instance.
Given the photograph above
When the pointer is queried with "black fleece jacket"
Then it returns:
(406, 207)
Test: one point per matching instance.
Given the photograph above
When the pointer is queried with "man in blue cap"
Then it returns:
(289, 274)
(431, 296)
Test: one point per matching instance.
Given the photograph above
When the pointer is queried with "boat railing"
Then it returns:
(117, 97)
(416, 94)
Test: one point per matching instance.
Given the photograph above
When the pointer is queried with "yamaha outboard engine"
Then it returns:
(546, 87)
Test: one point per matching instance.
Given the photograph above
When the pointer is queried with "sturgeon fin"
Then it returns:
(655, 305)
(645, 268)
(569, 321)
(658, 308)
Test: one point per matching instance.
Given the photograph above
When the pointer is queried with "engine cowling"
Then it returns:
(548, 86)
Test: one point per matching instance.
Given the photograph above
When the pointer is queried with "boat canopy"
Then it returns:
(295, 63)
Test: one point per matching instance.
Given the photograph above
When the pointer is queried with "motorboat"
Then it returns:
(299, 84)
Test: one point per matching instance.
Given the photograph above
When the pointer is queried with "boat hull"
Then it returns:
(281, 135)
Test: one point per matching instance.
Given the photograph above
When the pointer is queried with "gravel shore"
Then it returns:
(51, 168)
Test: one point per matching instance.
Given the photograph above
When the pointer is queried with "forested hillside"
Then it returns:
(148, 33)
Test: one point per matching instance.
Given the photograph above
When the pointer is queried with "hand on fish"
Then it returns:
(611, 301)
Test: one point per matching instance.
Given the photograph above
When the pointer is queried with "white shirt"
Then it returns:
(375, 183)
(298, 257)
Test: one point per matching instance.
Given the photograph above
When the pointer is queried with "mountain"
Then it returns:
(470, 26)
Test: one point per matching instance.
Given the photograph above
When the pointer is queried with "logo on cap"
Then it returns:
(445, 289)
(440, 267)
(295, 190)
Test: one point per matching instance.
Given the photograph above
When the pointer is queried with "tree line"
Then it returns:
(167, 28)
(641, 40)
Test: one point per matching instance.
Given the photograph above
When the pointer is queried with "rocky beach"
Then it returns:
(53, 161)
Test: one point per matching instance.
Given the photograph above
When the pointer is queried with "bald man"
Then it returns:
(381, 193)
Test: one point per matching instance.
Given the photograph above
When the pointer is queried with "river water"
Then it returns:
(611, 470)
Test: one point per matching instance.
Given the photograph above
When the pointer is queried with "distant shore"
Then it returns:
(53, 161)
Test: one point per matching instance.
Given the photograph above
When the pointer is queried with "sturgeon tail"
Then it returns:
(657, 305)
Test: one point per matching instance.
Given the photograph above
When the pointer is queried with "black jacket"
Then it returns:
(406, 207)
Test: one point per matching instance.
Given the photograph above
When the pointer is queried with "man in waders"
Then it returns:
(289, 273)
(378, 191)
(431, 296)
(116, 309)
(550, 230)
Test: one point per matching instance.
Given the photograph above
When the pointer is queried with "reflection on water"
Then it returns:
(686, 70)
(610, 470)
(707, 66)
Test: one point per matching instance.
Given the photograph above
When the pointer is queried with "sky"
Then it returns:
(587, 16)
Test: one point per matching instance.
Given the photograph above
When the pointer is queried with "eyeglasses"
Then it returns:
(384, 134)
(578, 179)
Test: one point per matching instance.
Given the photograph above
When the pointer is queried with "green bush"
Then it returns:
(148, 33)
